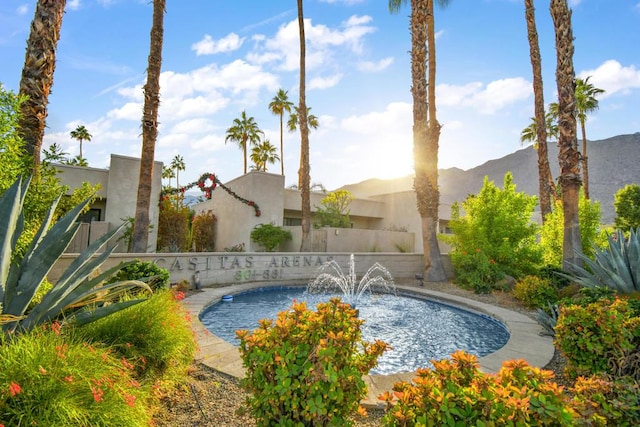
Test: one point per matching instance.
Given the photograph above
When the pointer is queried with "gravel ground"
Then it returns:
(214, 399)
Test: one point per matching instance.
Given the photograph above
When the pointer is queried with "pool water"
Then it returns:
(419, 330)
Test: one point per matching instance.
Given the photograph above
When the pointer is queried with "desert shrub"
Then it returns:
(269, 236)
(156, 277)
(476, 270)
(334, 211)
(203, 231)
(627, 205)
(53, 378)
(306, 367)
(155, 336)
(496, 224)
(601, 401)
(173, 226)
(456, 393)
(552, 231)
(535, 292)
(598, 337)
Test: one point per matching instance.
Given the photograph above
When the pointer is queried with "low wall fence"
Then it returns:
(207, 269)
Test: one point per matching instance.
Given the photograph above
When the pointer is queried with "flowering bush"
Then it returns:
(535, 292)
(306, 368)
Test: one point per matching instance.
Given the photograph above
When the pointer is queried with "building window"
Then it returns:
(293, 222)
(91, 215)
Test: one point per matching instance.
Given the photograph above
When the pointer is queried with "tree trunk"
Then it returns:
(545, 179)
(568, 155)
(304, 172)
(37, 74)
(585, 161)
(426, 133)
(281, 147)
(140, 236)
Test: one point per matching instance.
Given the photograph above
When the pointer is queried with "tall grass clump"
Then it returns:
(53, 378)
(156, 336)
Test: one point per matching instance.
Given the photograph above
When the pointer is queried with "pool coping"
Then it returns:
(525, 340)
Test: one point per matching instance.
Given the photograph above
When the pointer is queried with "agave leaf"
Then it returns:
(11, 221)
(65, 291)
(87, 316)
(633, 255)
(45, 250)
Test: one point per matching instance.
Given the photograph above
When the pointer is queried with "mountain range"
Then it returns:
(613, 163)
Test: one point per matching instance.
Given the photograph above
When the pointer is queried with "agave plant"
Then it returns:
(616, 267)
(77, 295)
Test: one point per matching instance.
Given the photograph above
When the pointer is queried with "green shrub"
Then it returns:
(597, 338)
(476, 270)
(496, 224)
(456, 393)
(203, 231)
(601, 401)
(535, 292)
(156, 277)
(173, 226)
(155, 336)
(52, 378)
(269, 236)
(306, 367)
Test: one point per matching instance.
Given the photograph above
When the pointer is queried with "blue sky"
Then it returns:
(221, 58)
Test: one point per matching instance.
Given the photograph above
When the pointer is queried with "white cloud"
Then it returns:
(73, 4)
(396, 116)
(324, 82)
(23, 9)
(495, 96)
(209, 46)
(371, 66)
(613, 78)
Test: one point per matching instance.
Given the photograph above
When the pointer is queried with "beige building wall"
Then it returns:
(118, 194)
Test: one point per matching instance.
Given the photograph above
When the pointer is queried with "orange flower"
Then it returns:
(14, 388)
(97, 393)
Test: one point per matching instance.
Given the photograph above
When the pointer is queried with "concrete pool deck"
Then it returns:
(525, 341)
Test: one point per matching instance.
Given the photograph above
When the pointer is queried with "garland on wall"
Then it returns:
(207, 183)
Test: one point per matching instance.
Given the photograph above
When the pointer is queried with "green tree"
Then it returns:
(81, 134)
(177, 163)
(278, 106)
(568, 154)
(304, 172)
(426, 128)
(149, 130)
(168, 173)
(334, 211)
(37, 74)
(263, 154)
(551, 232)
(546, 185)
(269, 236)
(586, 102)
(496, 229)
(627, 205)
(244, 131)
(77, 161)
(55, 154)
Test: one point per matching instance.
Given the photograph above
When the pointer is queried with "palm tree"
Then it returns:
(586, 102)
(304, 173)
(545, 180)
(568, 154)
(140, 233)
(168, 173)
(292, 126)
(77, 161)
(426, 129)
(178, 164)
(278, 106)
(262, 154)
(244, 130)
(81, 134)
(37, 74)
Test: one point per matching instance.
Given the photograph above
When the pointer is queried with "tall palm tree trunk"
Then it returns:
(281, 146)
(545, 179)
(140, 236)
(568, 155)
(37, 74)
(585, 161)
(426, 133)
(304, 179)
